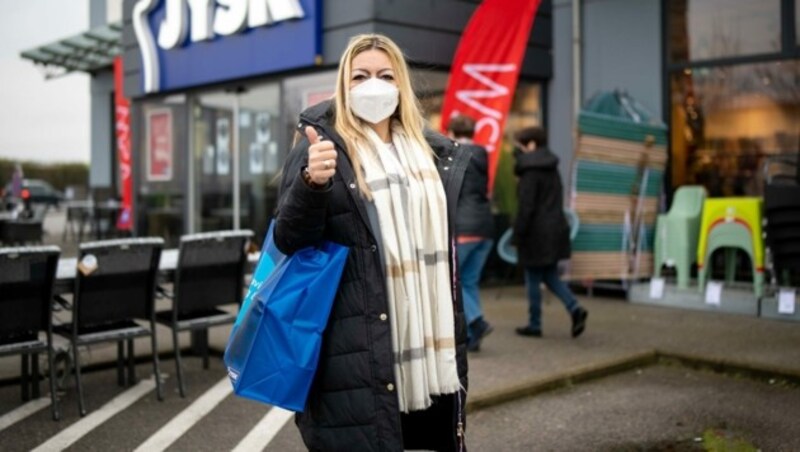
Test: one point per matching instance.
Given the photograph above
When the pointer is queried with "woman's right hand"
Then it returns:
(321, 158)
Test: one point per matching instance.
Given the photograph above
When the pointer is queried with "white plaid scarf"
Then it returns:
(411, 205)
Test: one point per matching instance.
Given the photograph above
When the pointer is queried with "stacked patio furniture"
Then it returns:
(617, 179)
(782, 215)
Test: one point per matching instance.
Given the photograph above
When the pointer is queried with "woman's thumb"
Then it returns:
(312, 136)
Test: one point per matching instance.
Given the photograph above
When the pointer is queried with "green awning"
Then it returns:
(89, 51)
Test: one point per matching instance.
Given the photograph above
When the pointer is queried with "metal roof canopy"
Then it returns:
(89, 51)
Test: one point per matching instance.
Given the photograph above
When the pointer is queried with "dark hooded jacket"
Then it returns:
(474, 208)
(352, 405)
(541, 230)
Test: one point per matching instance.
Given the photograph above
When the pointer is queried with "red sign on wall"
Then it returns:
(159, 145)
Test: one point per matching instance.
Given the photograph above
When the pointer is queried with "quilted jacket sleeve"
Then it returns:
(300, 221)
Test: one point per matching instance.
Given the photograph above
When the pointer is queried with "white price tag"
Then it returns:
(88, 264)
(657, 288)
(786, 301)
(714, 293)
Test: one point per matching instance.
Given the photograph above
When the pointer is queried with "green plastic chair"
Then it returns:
(731, 237)
(677, 233)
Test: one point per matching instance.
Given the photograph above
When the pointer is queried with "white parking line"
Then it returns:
(266, 429)
(22, 412)
(181, 423)
(76, 431)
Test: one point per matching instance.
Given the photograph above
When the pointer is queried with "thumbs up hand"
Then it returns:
(321, 158)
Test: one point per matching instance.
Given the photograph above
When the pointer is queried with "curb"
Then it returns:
(532, 387)
(725, 366)
(564, 379)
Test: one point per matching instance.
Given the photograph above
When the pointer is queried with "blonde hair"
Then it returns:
(408, 113)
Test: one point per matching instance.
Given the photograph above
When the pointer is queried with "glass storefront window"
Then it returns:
(526, 111)
(212, 124)
(162, 158)
(525, 108)
(261, 154)
(725, 120)
(300, 93)
(258, 153)
(797, 22)
(709, 29)
(429, 86)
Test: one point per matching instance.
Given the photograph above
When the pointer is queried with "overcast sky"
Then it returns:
(43, 120)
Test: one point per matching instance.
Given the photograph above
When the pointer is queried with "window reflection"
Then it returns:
(526, 110)
(797, 21)
(727, 119)
(708, 29)
(163, 168)
(259, 155)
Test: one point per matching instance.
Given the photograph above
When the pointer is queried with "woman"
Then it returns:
(393, 362)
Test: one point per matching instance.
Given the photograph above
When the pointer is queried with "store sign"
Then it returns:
(159, 145)
(187, 43)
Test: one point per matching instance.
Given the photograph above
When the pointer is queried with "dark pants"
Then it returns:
(534, 276)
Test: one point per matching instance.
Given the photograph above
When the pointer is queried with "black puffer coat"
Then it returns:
(474, 208)
(352, 405)
(541, 230)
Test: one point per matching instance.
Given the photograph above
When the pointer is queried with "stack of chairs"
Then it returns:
(617, 179)
(782, 215)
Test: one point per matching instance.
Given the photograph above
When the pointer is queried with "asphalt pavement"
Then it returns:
(631, 382)
(640, 378)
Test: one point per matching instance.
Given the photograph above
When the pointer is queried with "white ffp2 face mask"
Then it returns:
(374, 100)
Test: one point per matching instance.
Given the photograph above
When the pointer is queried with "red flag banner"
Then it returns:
(486, 68)
(122, 121)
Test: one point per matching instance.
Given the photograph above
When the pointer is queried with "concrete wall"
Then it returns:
(102, 167)
(560, 89)
(621, 49)
(101, 87)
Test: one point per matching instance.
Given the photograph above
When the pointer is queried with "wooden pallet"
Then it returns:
(621, 152)
(597, 202)
(608, 265)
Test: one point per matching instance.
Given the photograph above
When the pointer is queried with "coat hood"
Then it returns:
(541, 159)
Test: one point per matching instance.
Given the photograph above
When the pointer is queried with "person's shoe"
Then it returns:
(528, 331)
(473, 344)
(579, 321)
(480, 329)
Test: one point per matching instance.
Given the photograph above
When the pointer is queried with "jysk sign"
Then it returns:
(187, 43)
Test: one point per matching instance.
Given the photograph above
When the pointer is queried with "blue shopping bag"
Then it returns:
(273, 349)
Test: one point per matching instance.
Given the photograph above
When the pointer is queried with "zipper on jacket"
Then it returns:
(460, 426)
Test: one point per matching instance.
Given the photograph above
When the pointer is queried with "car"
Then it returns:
(41, 192)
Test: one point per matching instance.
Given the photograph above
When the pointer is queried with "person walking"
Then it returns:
(17, 177)
(392, 372)
(541, 231)
(474, 228)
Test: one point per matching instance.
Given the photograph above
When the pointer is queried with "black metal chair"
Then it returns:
(26, 292)
(25, 230)
(210, 273)
(115, 285)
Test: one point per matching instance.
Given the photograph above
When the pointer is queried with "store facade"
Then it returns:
(214, 106)
(723, 75)
(732, 90)
(211, 131)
